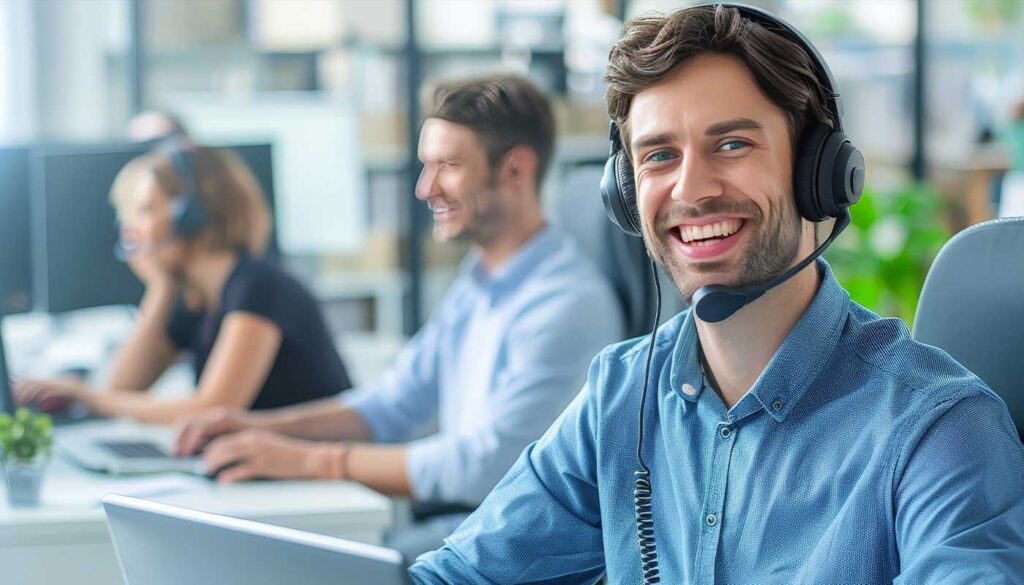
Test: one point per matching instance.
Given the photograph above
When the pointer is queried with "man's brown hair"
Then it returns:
(652, 47)
(503, 111)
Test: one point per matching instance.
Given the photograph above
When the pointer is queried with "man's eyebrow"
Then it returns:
(652, 140)
(715, 129)
(728, 126)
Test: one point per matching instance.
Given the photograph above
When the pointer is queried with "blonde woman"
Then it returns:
(194, 227)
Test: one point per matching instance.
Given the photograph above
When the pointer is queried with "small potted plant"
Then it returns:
(26, 442)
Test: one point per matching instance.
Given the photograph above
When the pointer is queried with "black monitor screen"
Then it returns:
(15, 239)
(76, 228)
(259, 159)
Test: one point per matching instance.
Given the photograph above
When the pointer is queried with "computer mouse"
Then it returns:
(214, 474)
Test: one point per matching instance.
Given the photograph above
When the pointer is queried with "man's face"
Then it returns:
(457, 183)
(713, 163)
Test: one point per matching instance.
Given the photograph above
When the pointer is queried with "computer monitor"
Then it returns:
(158, 544)
(75, 226)
(260, 160)
(15, 239)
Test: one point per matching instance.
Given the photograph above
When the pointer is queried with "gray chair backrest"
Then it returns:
(972, 306)
(621, 258)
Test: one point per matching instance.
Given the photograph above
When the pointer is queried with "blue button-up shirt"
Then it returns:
(858, 456)
(500, 359)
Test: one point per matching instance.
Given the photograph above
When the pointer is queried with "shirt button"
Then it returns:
(689, 390)
(726, 432)
(711, 520)
(777, 405)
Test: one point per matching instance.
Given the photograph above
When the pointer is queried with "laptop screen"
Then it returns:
(6, 400)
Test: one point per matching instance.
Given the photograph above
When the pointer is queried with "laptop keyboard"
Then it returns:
(135, 449)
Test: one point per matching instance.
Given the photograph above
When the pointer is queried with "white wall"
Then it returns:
(18, 114)
(82, 82)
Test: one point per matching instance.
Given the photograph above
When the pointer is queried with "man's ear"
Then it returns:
(519, 166)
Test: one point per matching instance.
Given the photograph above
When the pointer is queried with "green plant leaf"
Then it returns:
(885, 270)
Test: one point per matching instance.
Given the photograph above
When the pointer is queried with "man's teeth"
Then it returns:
(690, 233)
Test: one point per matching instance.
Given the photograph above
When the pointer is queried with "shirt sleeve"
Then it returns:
(541, 524)
(261, 293)
(960, 500)
(407, 395)
(549, 347)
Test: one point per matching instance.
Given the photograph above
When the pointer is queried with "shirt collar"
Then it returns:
(797, 363)
(508, 276)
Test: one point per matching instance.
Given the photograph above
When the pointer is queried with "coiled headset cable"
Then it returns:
(642, 493)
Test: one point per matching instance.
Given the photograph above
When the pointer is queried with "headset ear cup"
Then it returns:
(189, 215)
(617, 207)
(627, 190)
(843, 178)
(806, 166)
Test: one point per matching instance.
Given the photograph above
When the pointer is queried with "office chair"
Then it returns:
(972, 306)
(621, 258)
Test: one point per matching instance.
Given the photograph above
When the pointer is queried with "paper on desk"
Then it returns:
(139, 487)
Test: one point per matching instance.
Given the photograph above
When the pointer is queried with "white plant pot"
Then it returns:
(25, 480)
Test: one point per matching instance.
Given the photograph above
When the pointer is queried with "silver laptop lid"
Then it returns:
(158, 544)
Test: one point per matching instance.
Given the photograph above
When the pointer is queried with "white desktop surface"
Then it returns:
(65, 540)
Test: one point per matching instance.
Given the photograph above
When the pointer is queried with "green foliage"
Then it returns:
(25, 435)
(884, 256)
(994, 14)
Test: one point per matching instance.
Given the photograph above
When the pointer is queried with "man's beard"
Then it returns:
(773, 243)
(486, 216)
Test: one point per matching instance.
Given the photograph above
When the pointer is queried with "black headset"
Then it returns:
(828, 177)
(188, 213)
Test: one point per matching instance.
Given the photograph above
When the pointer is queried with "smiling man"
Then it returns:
(789, 434)
(500, 359)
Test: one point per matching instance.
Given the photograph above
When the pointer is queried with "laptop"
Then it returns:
(158, 544)
(123, 447)
(109, 446)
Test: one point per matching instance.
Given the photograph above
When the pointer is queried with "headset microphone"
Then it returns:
(125, 251)
(715, 303)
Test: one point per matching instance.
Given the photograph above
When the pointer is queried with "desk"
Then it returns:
(65, 541)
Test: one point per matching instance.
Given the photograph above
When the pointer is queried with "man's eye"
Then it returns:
(659, 156)
(733, 145)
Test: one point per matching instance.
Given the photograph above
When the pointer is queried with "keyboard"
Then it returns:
(135, 449)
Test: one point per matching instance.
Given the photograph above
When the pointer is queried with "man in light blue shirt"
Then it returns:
(500, 359)
(800, 440)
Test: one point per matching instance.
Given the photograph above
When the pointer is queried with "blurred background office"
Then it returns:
(322, 99)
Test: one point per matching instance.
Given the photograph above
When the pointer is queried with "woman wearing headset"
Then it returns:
(194, 227)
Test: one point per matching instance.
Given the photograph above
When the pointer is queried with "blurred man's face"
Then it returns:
(457, 183)
(713, 163)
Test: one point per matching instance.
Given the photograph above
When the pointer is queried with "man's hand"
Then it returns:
(197, 430)
(255, 453)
